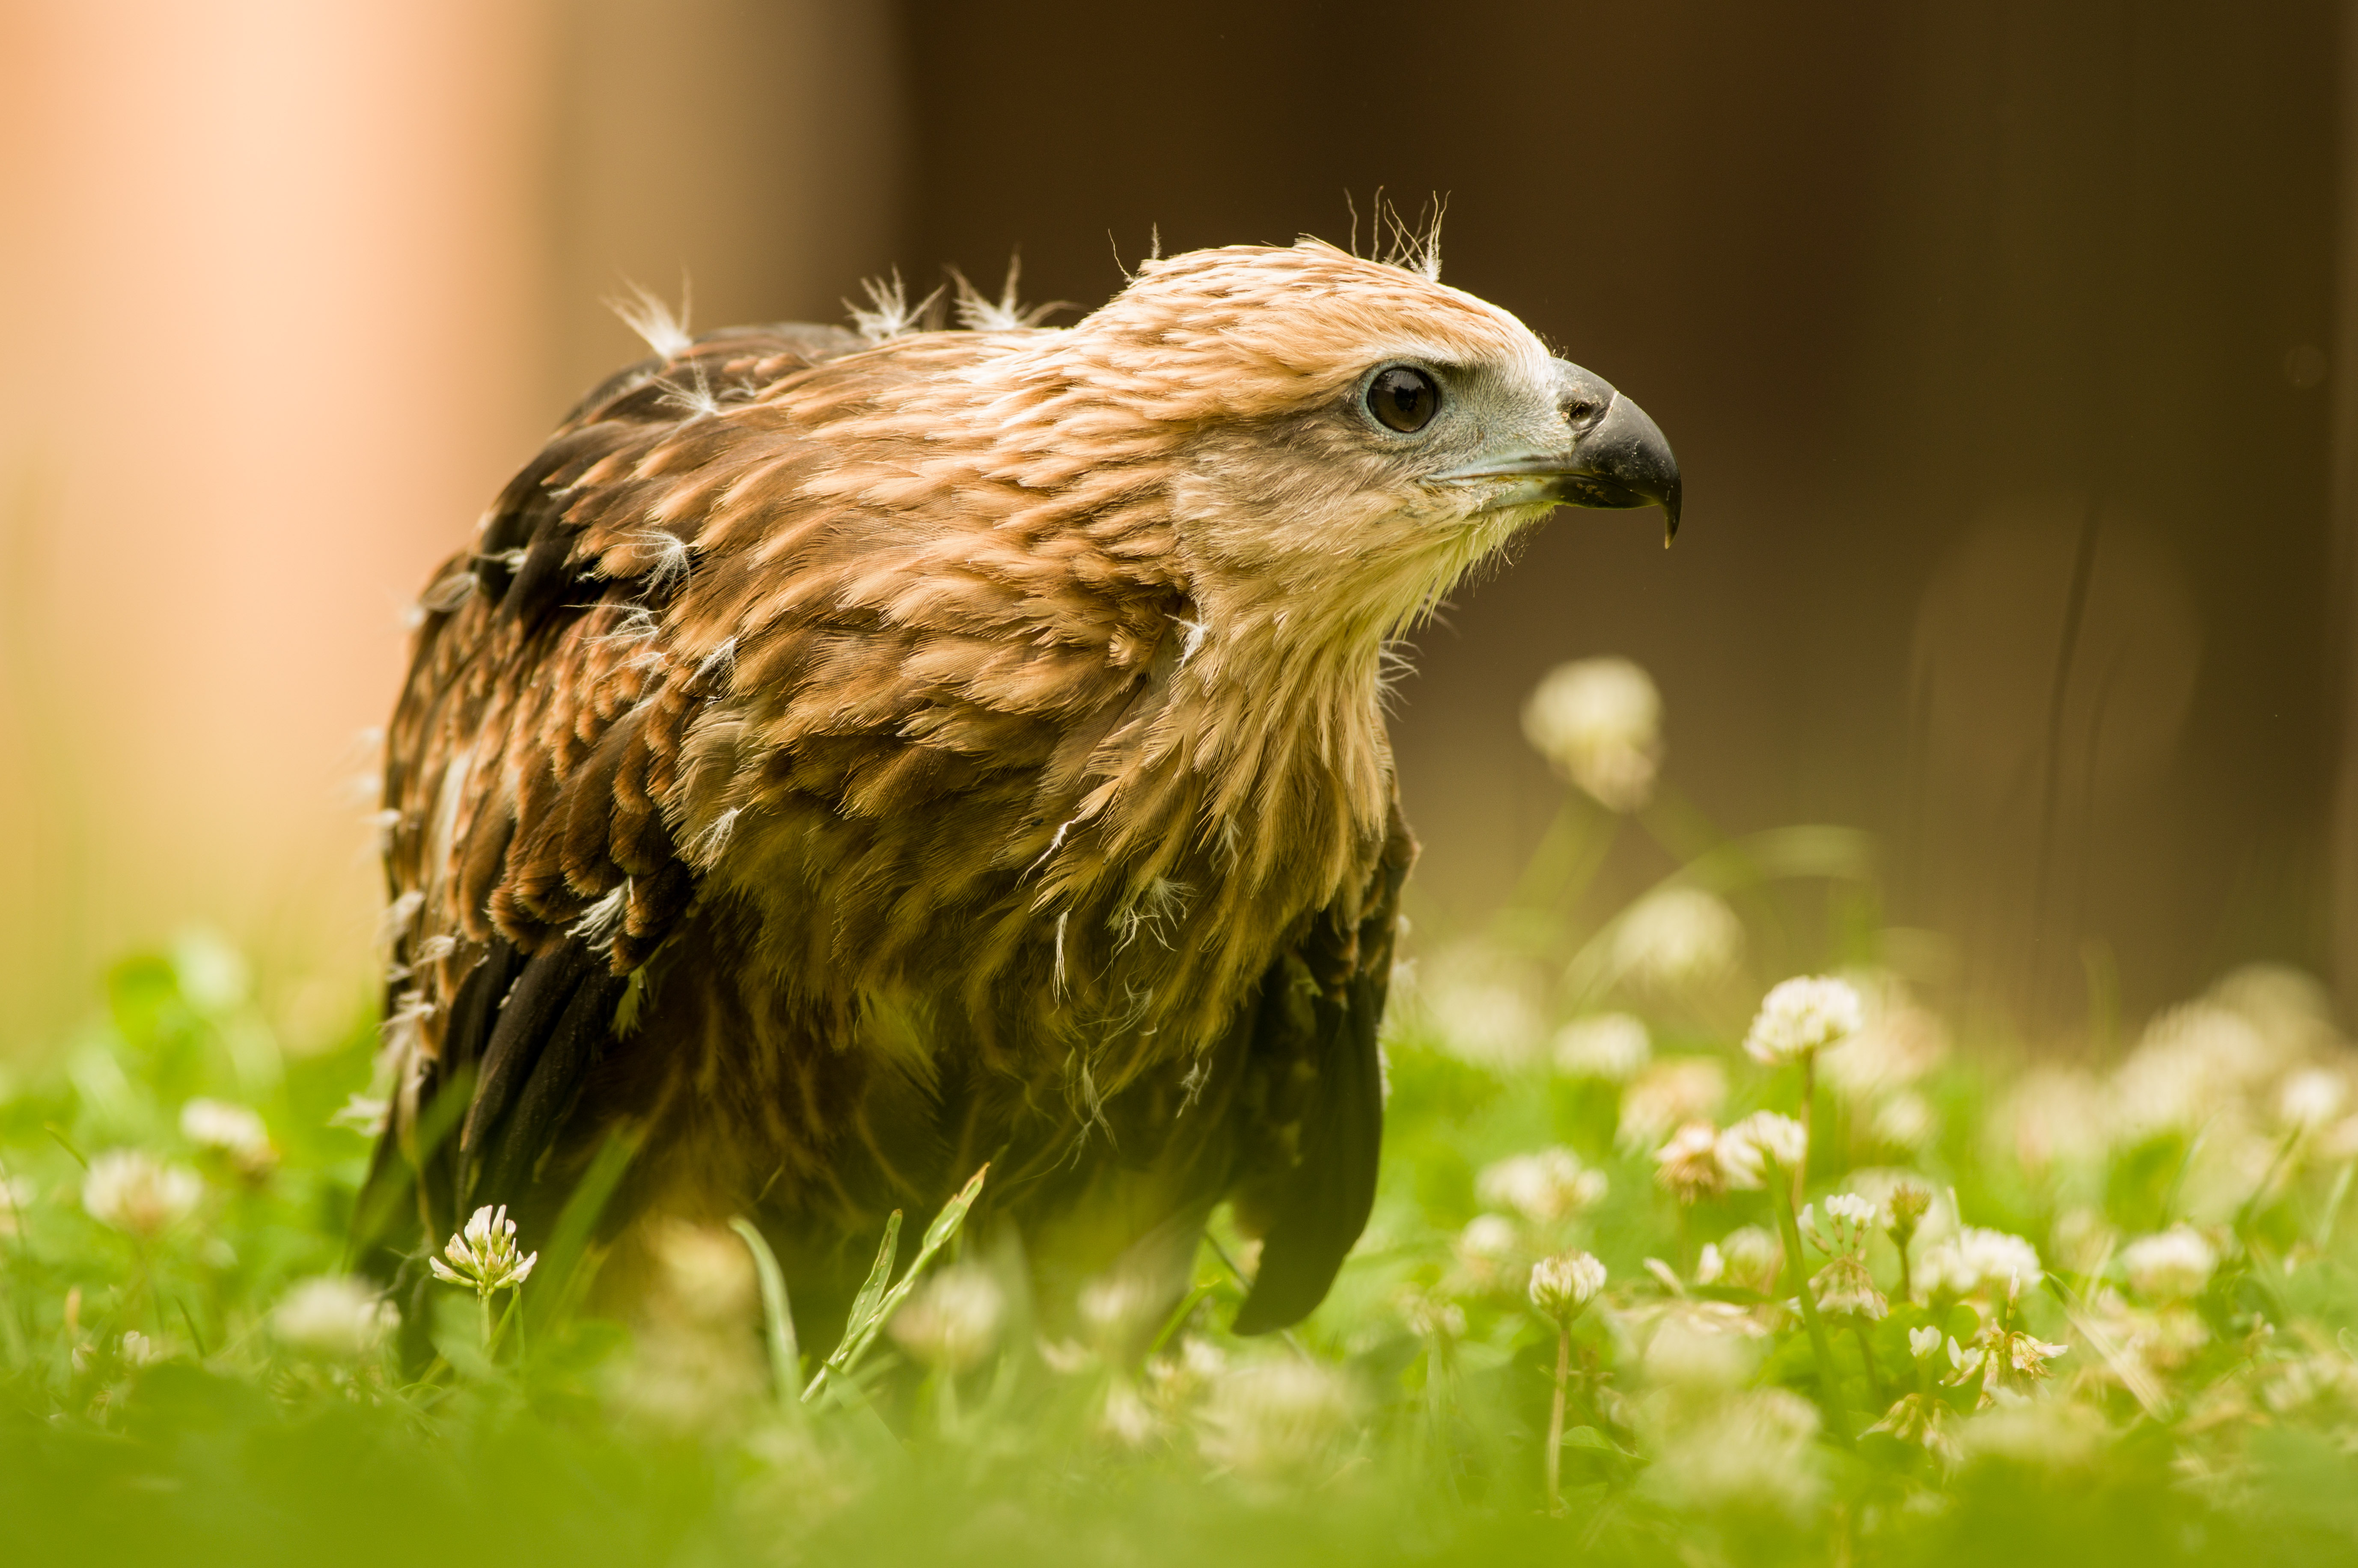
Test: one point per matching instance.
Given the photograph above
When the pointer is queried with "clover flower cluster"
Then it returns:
(335, 1317)
(1700, 1161)
(1780, 1286)
(1563, 1286)
(1600, 722)
(233, 1132)
(954, 1321)
(1844, 1287)
(484, 1255)
(134, 1192)
(1801, 1017)
(2175, 1265)
(1980, 1262)
(1612, 1047)
(1546, 1187)
(1677, 938)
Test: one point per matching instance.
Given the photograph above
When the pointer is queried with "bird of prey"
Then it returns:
(843, 759)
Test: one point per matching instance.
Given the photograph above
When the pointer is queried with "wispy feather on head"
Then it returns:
(1410, 246)
(1006, 313)
(888, 314)
(649, 316)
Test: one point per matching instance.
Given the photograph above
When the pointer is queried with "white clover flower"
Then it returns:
(1904, 1202)
(1611, 1046)
(338, 1318)
(16, 1196)
(1546, 1188)
(484, 1255)
(1920, 1419)
(1125, 1418)
(1688, 1166)
(1483, 1004)
(233, 1131)
(1906, 1120)
(1489, 1236)
(1850, 1220)
(1898, 1045)
(1430, 1317)
(1853, 1209)
(1845, 1289)
(1176, 1377)
(2043, 1435)
(1563, 1286)
(1696, 1356)
(1742, 1165)
(1120, 1303)
(1677, 937)
(1802, 1017)
(2081, 1240)
(136, 1349)
(1484, 1249)
(1667, 1096)
(2163, 1337)
(1600, 722)
(2292, 1010)
(2173, 1266)
(1843, 1286)
(2003, 1361)
(135, 1193)
(1747, 1258)
(1764, 1137)
(702, 1277)
(1975, 1259)
(953, 1320)
(1490, 1025)
(2055, 1115)
(1753, 1450)
(1279, 1417)
(2311, 1099)
(2191, 1062)
(1924, 1342)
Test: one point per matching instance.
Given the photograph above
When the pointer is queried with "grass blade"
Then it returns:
(777, 1319)
(937, 1236)
(857, 1329)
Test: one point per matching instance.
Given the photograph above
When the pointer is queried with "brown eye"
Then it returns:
(1403, 399)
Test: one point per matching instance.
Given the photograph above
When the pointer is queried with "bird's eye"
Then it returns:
(1403, 399)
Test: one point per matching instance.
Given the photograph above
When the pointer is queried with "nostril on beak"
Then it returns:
(1582, 395)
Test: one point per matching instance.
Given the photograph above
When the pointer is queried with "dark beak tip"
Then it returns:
(1671, 515)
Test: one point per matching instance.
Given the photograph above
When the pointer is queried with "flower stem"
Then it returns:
(1867, 1357)
(1809, 1097)
(1555, 1420)
(1829, 1378)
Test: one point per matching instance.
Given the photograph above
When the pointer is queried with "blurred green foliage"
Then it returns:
(169, 1392)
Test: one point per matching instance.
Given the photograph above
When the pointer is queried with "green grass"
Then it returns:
(153, 1409)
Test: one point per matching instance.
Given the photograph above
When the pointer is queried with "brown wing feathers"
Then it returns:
(522, 760)
(1319, 1010)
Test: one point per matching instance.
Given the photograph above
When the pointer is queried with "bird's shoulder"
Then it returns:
(749, 579)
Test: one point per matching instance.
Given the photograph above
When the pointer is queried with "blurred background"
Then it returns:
(2003, 346)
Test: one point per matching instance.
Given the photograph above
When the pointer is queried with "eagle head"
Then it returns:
(1344, 438)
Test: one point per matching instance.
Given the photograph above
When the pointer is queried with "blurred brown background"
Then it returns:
(2001, 344)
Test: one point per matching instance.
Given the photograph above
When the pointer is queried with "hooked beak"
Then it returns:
(1617, 458)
